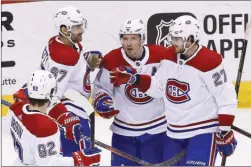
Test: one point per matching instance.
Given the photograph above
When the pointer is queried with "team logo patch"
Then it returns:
(136, 96)
(86, 82)
(177, 92)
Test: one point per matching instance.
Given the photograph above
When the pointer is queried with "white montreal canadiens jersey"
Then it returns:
(139, 113)
(68, 67)
(36, 137)
(195, 92)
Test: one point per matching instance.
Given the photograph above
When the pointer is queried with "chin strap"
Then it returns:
(68, 37)
(186, 49)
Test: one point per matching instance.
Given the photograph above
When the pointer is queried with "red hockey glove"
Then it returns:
(87, 157)
(123, 75)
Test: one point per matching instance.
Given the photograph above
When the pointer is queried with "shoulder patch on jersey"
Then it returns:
(63, 54)
(114, 59)
(158, 53)
(38, 124)
(206, 60)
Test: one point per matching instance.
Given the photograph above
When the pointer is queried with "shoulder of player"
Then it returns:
(158, 53)
(37, 123)
(113, 59)
(206, 60)
(63, 54)
(40, 125)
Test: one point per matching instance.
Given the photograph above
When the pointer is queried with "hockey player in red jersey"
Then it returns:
(36, 136)
(139, 125)
(63, 56)
(200, 100)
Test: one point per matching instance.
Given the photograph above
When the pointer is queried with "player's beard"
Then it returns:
(76, 37)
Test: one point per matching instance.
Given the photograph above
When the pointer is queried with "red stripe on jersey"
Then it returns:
(193, 124)
(226, 120)
(142, 124)
(62, 54)
(205, 60)
(38, 124)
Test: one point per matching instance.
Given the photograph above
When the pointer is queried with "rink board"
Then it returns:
(244, 97)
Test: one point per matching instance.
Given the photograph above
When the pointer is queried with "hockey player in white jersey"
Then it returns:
(139, 125)
(199, 98)
(36, 136)
(63, 57)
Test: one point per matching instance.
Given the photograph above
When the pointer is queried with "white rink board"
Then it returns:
(32, 26)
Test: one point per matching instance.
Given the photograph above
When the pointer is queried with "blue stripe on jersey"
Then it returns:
(142, 129)
(73, 105)
(188, 130)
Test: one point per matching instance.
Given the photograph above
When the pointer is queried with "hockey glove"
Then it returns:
(21, 94)
(226, 142)
(93, 59)
(71, 125)
(87, 157)
(123, 75)
(102, 103)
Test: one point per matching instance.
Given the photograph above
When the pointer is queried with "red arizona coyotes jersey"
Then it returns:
(36, 137)
(68, 67)
(139, 112)
(199, 97)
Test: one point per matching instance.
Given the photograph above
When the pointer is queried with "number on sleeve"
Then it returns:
(62, 73)
(218, 80)
(43, 152)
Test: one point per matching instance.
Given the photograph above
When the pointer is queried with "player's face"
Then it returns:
(77, 32)
(178, 43)
(131, 43)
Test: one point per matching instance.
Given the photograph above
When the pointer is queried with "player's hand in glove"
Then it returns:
(123, 75)
(87, 157)
(93, 59)
(21, 94)
(226, 142)
(102, 103)
(71, 125)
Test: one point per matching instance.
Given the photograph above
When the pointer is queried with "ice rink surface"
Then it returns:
(240, 158)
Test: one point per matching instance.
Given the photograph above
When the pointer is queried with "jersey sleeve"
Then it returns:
(80, 81)
(102, 83)
(222, 89)
(6, 122)
(63, 75)
(47, 152)
(154, 85)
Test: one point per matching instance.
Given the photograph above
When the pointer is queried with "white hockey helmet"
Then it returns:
(185, 26)
(133, 27)
(42, 85)
(69, 16)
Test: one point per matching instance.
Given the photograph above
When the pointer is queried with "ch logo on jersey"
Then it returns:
(136, 96)
(177, 92)
(86, 82)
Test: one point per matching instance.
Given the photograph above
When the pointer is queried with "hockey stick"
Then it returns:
(170, 162)
(92, 129)
(242, 58)
(238, 80)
